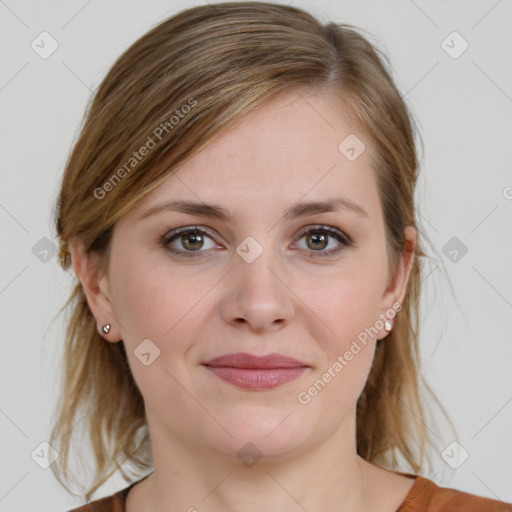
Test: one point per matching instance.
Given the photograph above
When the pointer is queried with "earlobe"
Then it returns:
(89, 271)
(397, 287)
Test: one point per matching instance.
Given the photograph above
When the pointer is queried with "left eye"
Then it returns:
(190, 241)
(318, 238)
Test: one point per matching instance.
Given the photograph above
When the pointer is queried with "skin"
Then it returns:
(289, 300)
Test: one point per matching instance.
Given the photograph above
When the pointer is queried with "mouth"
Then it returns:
(249, 371)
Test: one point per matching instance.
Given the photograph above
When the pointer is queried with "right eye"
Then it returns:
(187, 241)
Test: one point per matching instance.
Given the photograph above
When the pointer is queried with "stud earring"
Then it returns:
(106, 328)
(388, 326)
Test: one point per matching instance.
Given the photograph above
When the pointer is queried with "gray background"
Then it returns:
(464, 108)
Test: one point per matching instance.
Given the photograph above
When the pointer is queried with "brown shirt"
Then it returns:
(424, 496)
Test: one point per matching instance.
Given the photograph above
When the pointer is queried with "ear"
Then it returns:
(397, 286)
(94, 280)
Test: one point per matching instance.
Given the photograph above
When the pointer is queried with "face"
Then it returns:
(253, 279)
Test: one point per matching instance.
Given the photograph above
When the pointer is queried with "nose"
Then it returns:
(257, 295)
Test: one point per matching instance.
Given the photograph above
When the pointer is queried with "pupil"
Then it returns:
(196, 241)
(319, 238)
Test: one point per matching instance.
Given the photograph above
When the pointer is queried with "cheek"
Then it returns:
(348, 309)
(139, 300)
(154, 301)
(347, 302)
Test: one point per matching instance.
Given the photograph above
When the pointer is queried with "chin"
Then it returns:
(262, 431)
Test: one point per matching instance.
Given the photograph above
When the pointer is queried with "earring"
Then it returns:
(388, 326)
(106, 328)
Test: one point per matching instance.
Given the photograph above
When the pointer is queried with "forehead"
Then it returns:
(286, 150)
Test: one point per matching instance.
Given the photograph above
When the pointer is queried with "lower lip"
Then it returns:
(257, 378)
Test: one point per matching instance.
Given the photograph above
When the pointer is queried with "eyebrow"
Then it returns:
(218, 212)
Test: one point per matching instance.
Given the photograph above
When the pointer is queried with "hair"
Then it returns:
(175, 90)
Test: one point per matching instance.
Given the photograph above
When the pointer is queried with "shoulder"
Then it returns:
(113, 503)
(426, 496)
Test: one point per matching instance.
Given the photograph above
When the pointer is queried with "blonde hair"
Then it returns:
(223, 61)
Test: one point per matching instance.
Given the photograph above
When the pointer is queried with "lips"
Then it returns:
(256, 372)
(249, 361)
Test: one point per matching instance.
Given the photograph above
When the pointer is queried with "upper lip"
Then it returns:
(245, 360)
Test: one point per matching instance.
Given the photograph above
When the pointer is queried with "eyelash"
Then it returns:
(341, 237)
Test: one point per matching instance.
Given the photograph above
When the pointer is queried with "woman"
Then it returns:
(239, 212)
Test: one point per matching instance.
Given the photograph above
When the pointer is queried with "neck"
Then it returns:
(329, 476)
